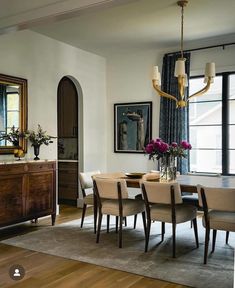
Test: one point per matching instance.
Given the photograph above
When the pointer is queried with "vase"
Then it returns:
(36, 149)
(167, 168)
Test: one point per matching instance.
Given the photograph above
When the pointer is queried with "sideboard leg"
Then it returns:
(53, 216)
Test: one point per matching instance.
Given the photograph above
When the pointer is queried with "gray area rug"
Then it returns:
(70, 241)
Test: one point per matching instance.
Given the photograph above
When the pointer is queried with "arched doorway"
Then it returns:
(68, 102)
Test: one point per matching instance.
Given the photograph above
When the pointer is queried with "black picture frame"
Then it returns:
(132, 126)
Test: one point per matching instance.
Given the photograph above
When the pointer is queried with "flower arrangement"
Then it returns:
(157, 149)
(39, 137)
(13, 136)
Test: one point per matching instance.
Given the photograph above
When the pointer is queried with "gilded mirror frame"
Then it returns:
(23, 109)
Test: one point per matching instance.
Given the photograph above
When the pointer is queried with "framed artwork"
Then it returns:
(132, 126)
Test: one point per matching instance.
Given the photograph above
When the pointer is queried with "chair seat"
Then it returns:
(220, 220)
(162, 212)
(130, 207)
(191, 199)
(89, 199)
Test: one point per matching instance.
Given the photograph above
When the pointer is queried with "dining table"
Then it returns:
(188, 183)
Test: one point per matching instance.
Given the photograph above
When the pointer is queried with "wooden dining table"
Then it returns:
(188, 183)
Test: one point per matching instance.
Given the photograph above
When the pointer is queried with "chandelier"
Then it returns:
(180, 72)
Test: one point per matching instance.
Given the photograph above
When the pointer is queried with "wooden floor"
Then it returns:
(43, 270)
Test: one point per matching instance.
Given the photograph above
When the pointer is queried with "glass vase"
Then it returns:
(168, 169)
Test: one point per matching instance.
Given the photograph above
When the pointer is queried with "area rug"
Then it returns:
(70, 241)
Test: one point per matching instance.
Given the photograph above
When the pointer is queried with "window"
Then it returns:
(212, 124)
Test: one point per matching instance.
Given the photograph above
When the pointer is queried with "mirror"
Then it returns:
(13, 111)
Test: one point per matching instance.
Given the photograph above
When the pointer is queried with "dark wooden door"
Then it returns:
(11, 198)
(39, 198)
(67, 109)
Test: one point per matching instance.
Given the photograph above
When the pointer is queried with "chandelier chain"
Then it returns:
(182, 31)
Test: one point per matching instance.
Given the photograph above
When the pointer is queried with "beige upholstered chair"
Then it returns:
(86, 183)
(164, 203)
(219, 212)
(112, 199)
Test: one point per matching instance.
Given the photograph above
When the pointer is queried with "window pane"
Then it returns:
(206, 137)
(12, 119)
(205, 113)
(232, 161)
(231, 137)
(232, 112)
(214, 93)
(232, 86)
(12, 102)
(206, 161)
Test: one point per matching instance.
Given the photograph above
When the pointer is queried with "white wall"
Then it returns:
(129, 79)
(43, 62)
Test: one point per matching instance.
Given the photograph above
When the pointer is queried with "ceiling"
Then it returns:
(118, 25)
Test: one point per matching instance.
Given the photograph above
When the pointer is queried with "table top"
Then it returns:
(187, 182)
(210, 181)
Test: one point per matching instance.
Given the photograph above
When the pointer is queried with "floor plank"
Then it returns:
(43, 270)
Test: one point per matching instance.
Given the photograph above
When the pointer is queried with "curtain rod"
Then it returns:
(203, 48)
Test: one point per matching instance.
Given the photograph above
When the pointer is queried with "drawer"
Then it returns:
(68, 166)
(38, 167)
(67, 177)
(6, 169)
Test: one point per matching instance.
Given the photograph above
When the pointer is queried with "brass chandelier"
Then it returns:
(180, 72)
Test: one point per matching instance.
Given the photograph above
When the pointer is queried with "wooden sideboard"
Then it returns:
(27, 191)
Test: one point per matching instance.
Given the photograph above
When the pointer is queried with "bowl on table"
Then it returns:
(134, 175)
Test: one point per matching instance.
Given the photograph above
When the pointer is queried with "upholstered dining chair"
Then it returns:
(112, 199)
(164, 203)
(86, 183)
(219, 212)
(192, 198)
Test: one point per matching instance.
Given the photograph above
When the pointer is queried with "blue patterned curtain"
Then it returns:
(2, 111)
(173, 125)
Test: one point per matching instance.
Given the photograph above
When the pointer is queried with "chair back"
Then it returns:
(221, 199)
(108, 188)
(161, 192)
(86, 179)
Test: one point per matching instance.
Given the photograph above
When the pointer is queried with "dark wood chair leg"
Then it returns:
(207, 238)
(147, 234)
(99, 227)
(116, 224)
(108, 220)
(163, 230)
(173, 234)
(194, 221)
(214, 240)
(95, 213)
(144, 223)
(83, 214)
(135, 220)
(120, 232)
(125, 221)
(227, 236)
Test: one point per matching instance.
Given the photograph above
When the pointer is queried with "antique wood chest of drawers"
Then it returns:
(27, 191)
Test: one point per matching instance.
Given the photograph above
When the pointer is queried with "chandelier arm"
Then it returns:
(162, 93)
(202, 91)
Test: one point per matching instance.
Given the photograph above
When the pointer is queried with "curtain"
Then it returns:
(2, 107)
(174, 122)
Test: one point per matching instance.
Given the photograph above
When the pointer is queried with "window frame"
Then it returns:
(224, 121)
